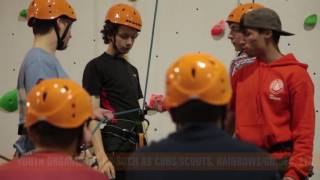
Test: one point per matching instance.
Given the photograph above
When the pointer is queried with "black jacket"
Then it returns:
(201, 151)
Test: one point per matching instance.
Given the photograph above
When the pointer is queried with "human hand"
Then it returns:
(101, 113)
(106, 167)
(157, 103)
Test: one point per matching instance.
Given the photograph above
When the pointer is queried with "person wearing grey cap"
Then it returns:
(274, 97)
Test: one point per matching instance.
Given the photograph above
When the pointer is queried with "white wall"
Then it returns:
(182, 26)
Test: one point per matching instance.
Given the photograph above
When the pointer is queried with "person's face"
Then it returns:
(63, 26)
(253, 42)
(125, 38)
(235, 36)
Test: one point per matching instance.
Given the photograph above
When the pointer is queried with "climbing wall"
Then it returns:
(181, 26)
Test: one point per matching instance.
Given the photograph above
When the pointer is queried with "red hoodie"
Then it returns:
(274, 103)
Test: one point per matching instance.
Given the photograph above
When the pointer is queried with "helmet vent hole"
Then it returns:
(50, 12)
(73, 105)
(123, 9)
(44, 96)
(222, 80)
(66, 88)
(73, 115)
(193, 72)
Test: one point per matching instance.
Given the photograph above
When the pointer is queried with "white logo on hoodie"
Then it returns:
(276, 87)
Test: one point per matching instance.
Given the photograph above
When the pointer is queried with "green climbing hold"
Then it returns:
(311, 20)
(23, 13)
(9, 101)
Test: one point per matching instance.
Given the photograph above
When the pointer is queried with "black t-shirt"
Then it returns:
(116, 82)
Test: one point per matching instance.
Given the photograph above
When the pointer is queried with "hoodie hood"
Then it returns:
(288, 60)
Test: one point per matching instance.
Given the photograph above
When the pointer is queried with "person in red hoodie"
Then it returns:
(241, 59)
(274, 97)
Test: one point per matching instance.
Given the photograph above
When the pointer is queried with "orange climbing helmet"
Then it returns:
(197, 76)
(240, 10)
(49, 10)
(124, 14)
(59, 102)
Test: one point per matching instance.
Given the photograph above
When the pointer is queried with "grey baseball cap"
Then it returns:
(263, 18)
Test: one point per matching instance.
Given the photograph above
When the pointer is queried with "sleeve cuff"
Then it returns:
(293, 174)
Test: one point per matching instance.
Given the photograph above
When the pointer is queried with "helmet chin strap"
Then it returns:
(60, 43)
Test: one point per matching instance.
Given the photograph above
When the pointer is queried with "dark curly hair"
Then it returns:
(109, 30)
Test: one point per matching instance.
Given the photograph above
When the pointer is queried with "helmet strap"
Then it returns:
(60, 43)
